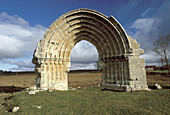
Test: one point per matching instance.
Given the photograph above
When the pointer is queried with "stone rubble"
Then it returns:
(15, 109)
(158, 86)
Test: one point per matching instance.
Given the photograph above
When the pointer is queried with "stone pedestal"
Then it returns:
(52, 74)
(124, 73)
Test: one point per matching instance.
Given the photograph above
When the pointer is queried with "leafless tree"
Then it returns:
(162, 48)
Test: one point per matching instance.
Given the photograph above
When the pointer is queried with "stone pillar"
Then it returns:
(137, 74)
(108, 70)
(128, 73)
(61, 79)
(52, 74)
(112, 71)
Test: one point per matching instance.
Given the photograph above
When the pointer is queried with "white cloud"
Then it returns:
(17, 36)
(147, 12)
(144, 14)
(84, 52)
(144, 23)
(23, 65)
(151, 58)
(18, 39)
(15, 19)
(84, 56)
(77, 66)
(10, 47)
(148, 30)
(146, 34)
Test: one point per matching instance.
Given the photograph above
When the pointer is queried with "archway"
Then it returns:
(123, 70)
(84, 71)
(84, 56)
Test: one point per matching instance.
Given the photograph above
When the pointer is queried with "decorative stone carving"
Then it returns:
(123, 70)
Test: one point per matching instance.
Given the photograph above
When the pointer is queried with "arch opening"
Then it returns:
(84, 56)
(84, 71)
(118, 53)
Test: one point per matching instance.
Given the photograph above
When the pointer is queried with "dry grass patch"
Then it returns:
(26, 80)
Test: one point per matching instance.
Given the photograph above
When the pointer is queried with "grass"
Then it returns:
(91, 101)
(85, 101)
(2, 102)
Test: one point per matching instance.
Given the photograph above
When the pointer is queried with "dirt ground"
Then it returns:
(75, 80)
(26, 80)
(162, 80)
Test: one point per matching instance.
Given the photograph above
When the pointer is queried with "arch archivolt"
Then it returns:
(118, 53)
(104, 29)
(72, 44)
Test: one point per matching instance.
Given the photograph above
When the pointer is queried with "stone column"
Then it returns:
(108, 70)
(137, 74)
(112, 71)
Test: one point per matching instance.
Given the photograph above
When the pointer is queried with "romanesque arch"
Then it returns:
(123, 70)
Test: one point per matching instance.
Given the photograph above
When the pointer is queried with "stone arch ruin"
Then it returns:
(123, 70)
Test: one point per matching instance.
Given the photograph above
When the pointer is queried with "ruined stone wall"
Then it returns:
(123, 70)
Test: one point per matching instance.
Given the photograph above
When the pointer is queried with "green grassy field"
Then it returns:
(91, 101)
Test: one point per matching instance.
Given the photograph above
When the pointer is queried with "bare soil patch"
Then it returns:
(10, 89)
(164, 81)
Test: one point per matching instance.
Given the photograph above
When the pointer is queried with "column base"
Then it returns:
(124, 88)
(62, 86)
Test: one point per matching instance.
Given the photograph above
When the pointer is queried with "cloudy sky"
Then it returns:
(23, 23)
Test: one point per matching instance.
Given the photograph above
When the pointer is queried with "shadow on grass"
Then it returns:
(10, 89)
(162, 86)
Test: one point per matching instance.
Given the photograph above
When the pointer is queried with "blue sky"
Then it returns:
(44, 12)
(23, 23)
